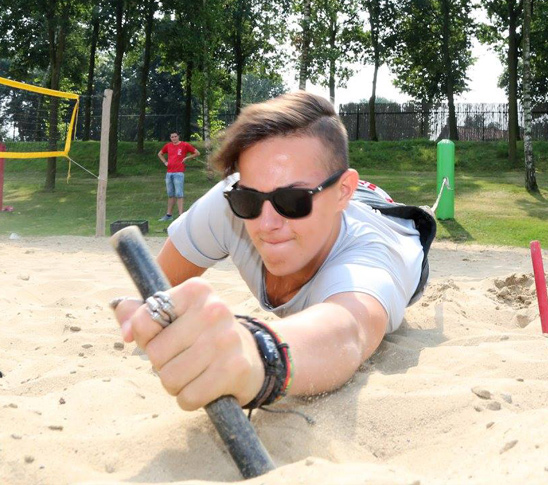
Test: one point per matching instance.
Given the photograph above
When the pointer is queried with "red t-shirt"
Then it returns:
(175, 155)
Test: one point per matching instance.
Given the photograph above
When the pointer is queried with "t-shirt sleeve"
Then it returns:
(201, 233)
(385, 277)
(164, 149)
(190, 148)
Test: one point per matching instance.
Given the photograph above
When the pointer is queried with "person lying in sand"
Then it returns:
(335, 258)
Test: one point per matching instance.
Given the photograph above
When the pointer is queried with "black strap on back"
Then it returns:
(426, 225)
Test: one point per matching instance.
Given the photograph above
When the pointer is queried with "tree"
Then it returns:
(539, 46)
(336, 40)
(432, 52)
(94, 39)
(124, 18)
(530, 177)
(505, 16)
(254, 30)
(36, 38)
(150, 8)
(381, 15)
(302, 40)
(57, 18)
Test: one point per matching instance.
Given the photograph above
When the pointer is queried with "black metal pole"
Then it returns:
(235, 430)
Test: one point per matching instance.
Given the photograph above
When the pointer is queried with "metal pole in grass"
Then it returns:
(446, 179)
(225, 413)
(2, 149)
(540, 283)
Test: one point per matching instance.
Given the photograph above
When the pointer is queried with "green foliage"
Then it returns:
(216, 126)
(30, 29)
(418, 60)
(539, 51)
(379, 40)
(496, 31)
(336, 41)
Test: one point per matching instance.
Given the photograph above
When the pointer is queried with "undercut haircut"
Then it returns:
(298, 114)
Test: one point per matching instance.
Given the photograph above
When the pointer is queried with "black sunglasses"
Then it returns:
(292, 203)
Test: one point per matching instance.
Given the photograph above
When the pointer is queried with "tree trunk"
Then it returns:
(188, 101)
(207, 132)
(512, 84)
(374, 19)
(372, 117)
(57, 37)
(239, 69)
(453, 130)
(149, 24)
(205, 100)
(91, 75)
(332, 66)
(530, 177)
(305, 47)
(425, 119)
(116, 87)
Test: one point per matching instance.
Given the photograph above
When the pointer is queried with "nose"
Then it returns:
(269, 219)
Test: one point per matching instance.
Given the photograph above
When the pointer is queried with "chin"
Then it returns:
(281, 268)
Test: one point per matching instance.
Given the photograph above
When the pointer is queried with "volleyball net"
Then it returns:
(36, 122)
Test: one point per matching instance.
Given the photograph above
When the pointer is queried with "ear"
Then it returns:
(347, 186)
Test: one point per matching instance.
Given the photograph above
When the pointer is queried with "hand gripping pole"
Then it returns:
(227, 416)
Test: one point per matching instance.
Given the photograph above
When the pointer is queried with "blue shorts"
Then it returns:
(175, 182)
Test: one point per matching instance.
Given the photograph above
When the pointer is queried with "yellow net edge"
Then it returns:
(49, 92)
(37, 89)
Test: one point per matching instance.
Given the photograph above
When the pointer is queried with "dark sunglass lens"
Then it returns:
(245, 204)
(293, 203)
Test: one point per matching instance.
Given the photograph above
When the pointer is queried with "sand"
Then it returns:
(457, 395)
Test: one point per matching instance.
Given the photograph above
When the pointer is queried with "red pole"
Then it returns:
(540, 283)
(2, 149)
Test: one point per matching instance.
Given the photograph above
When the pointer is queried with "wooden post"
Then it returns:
(103, 167)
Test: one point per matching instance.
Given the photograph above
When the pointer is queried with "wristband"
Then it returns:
(276, 359)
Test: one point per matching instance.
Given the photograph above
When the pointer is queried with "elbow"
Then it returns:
(373, 333)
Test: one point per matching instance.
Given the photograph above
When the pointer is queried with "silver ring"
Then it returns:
(166, 304)
(157, 317)
(160, 308)
(153, 304)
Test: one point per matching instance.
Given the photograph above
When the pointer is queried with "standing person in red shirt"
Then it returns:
(175, 177)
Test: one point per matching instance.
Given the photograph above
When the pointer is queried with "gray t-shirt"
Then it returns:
(373, 254)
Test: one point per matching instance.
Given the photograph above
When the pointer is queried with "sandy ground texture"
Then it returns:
(457, 395)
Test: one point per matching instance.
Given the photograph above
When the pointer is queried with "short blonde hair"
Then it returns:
(296, 114)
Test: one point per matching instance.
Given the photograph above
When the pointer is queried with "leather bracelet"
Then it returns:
(276, 360)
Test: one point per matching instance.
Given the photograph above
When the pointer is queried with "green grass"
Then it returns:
(491, 203)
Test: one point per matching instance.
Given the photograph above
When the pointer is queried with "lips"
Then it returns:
(274, 242)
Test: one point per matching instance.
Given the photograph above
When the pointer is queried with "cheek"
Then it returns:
(251, 226)
(310, 232)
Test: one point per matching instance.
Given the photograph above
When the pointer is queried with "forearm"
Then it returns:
(328, 343)
(176, 267)
(194, 155)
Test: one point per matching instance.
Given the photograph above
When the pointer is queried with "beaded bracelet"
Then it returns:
(276, 359)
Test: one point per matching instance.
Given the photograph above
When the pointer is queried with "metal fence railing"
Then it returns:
(476, 122)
